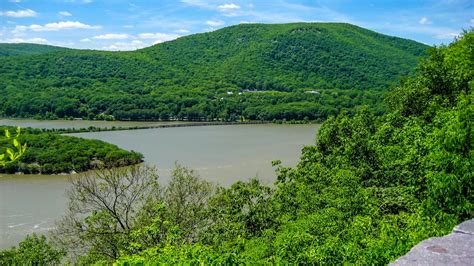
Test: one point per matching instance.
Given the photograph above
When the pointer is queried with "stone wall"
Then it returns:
(456, 248)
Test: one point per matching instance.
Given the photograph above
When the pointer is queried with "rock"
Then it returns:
(466, 227)
(456, 248)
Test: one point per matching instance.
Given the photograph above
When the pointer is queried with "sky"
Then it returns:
(129, 25)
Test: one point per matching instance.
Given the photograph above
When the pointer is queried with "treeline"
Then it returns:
(369, 190)
(14, 49)
(49, 153)
(196, 106)
(257, 72)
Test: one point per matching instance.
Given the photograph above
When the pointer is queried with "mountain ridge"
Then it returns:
(5, 44)
(183, 78)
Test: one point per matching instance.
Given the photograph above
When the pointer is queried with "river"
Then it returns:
(220, 154)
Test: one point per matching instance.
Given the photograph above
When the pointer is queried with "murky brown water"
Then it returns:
(221, 154)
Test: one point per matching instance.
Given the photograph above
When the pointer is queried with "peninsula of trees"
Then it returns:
(50, 153)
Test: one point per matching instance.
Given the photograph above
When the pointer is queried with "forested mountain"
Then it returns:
(12, 49)
(252, 71)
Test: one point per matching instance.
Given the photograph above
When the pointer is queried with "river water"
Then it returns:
(220, 154)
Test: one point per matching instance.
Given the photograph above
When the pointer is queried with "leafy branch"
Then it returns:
(12, 154)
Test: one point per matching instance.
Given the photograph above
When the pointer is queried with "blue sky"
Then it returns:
(128, 25)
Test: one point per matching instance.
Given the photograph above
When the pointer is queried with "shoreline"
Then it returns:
(124, 128)
(171, 124)
(92, 129)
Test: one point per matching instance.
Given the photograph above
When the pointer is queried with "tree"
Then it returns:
(34, 250)
(114, 212)
(178, 215)
(186, 199)
(103, 210)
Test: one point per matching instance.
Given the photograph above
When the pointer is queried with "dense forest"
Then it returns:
(251, 71)
(49, 153)
(13, 49)
(369, 189)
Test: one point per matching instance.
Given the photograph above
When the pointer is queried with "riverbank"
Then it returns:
(83, 126)
(188, 124)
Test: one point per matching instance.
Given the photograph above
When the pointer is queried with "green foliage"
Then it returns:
(50, 153)
(14, 152)
(369, 190)
(243, 210)
(451, 175)
(123, 211)
(10, 49)
(252, 71)
(185, 199)
(33, 250)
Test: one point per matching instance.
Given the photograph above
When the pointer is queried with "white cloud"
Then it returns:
(30, 40)
(215, 23)
(136, 41)
(112, 36)
(425, 21)
(158, 37)
(125, 46)
(19, 13)
(56, 26)
(15, 1)
(183, 31)
(65, 14)
(19, 30)
(441, 33)
(229, 6)
(128, 26)
(198, 3)
(472, 21)
(446, 36)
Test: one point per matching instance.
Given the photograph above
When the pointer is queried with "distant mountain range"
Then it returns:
(251, 71)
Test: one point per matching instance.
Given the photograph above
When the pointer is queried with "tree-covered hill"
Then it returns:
(10, 49)
(252, 71)
(291, 56)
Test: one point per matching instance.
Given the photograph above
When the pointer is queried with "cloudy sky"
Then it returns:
(128, 25)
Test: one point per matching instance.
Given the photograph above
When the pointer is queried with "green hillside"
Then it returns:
(12, 49)
(252, 71)
(291, 56)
